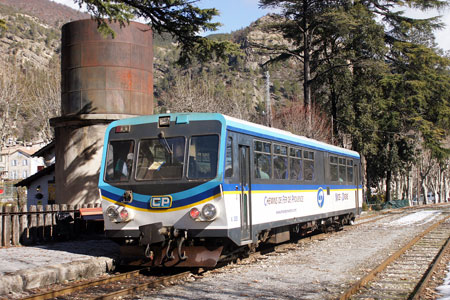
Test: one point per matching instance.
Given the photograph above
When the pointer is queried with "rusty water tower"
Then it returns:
(102, 79)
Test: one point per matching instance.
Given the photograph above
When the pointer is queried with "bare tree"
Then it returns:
(44, 98)
(207, 93)
(293, 118)
(11, 98)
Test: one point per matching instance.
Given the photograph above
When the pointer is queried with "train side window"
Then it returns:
(308, 172)
(280, 162)
(263, 160)
(342, 170)
(295, 164)
(350, 171)
(229, 158)
(334, 168)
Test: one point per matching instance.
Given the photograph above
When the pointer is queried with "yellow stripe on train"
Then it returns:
(161, 210)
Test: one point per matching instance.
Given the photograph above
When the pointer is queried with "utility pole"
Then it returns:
(268, 102)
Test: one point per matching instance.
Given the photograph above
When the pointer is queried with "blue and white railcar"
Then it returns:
(183, 188)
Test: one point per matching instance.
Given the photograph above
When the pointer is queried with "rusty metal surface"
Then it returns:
(197, 256)
(104, 75)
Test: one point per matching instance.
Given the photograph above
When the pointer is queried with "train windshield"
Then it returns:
(203, 153)
(119, 160)
(160, 159)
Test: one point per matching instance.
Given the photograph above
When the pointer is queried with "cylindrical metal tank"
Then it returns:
(105, 75)
(103, 79)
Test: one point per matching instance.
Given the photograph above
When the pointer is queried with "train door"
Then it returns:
(244, 178)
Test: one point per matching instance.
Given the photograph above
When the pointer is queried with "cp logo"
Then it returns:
(161, 202)
(320, 197)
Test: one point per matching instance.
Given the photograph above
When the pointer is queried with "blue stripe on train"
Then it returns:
(287, 187)
(142, 201)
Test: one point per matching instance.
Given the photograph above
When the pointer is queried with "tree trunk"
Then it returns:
(388, 185)
(425, 192)
(409, 189)
(306, 68)
(445, 192)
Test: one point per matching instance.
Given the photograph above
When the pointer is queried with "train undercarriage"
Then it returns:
(160, 246)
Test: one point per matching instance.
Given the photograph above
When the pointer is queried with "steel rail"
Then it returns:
(427, 276)
(371, 275)
(142, 287)
(82, 285)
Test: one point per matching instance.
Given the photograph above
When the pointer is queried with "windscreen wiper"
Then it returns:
(165, 143)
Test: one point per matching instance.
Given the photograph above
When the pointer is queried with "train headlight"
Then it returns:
(119, 214)
(194, 213)
(126, 215)
(209, 212)
(112, 214)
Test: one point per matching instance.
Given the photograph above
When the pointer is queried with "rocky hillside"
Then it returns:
(49, 12)
(236, 86)
(33, 30)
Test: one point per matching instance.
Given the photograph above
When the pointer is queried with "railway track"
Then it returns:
(113, 287)
(405, 273)
(131, 283)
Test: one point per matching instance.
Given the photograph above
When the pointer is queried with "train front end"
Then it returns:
(160, 183)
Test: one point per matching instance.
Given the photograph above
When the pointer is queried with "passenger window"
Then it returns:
(280, 162)
(342, 169)
(295, 164)
(350, 171)
(308, 157)
(263, 160)
(229, 158)
(334, 168)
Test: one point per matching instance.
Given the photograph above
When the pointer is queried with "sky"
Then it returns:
(237, 14)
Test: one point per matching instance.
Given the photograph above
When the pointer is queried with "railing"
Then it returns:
(38, 225)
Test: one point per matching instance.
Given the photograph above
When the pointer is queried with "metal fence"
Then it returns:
(38, 224)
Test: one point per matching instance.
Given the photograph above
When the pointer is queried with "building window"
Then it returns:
(14, 163)
(25, 174)
(13, 175)
(25, 162)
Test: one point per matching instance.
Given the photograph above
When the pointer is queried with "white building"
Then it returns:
(41, 185)
(18, 163)
(21, 165)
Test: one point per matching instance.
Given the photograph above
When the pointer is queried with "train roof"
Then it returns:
(242, 126)
(285, 136)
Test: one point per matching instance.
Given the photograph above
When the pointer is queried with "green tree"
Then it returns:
(320, 34)
(373, 70)
(417, 92)
(179, 18)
